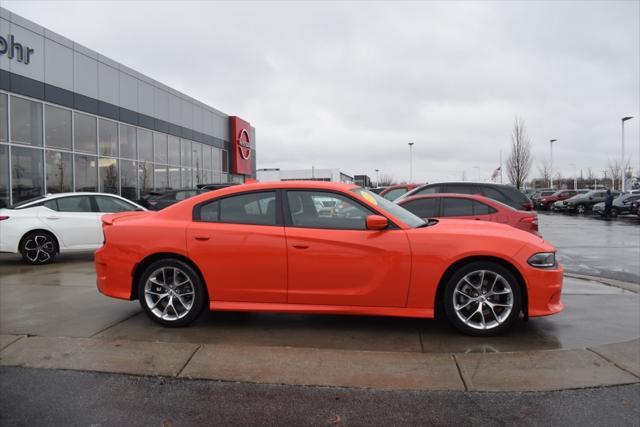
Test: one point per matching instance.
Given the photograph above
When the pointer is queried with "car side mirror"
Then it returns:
(377, 222)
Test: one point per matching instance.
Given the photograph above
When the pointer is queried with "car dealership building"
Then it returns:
(74, 120)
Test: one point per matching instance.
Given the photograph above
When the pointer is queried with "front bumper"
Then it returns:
(544, 289)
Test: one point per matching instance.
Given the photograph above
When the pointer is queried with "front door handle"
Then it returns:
(203, 237)
(53, 217)
(301, 246)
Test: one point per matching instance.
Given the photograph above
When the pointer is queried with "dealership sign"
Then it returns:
(241, 147)
(9, 47)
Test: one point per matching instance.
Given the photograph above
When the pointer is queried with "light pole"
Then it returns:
(551, 141)
(624, 119)
(377, 177)
(575, 176)
(411, 162)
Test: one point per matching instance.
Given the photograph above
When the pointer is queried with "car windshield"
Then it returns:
(396, 210)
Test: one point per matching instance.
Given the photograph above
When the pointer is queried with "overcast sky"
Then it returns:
(348, 85)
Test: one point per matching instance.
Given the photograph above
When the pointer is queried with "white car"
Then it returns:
(41, 228)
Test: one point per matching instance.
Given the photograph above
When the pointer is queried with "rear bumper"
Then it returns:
(113, 274)
(544, 288)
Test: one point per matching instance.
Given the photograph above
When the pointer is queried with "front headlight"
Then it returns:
(543, 260)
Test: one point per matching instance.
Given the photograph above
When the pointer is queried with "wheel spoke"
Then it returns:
(495, 280)
(458, 308)
(158, 301)
(497, 299)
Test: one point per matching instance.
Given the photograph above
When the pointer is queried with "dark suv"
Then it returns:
(503, 193)
(584, 202)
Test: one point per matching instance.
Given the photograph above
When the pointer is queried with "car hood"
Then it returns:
(483, 228)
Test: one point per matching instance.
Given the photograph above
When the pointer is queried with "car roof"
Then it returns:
(51, 196)
(476, 197)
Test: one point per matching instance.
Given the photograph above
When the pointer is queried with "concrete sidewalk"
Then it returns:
(607, 365)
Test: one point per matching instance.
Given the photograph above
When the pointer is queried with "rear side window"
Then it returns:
(395, 193)
(464, 189)
(457, 207)
(424, 208)
(74, 204)
(482, 209)
(51, 204)
(108, 204)
(252, 208)
(495, 194)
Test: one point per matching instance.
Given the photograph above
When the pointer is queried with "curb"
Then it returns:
(627, 286)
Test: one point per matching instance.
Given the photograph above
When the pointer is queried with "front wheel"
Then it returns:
(171, 293)
(38, 247)
(614, 212)
(482, 299)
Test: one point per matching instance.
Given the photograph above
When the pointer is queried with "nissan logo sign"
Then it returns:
(244, 145)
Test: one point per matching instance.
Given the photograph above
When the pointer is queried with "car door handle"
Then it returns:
(301, 246)
(53, 217)
(202, 237)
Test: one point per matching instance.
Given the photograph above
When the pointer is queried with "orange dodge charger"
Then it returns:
(318, 247)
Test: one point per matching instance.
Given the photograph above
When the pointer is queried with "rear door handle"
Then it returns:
(301, 246)
(202, 237)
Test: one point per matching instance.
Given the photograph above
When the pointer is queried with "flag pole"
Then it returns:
(500, 166)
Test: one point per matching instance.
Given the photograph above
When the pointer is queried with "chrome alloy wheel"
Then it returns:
(483, 299)
(39, 249)
(169, 293)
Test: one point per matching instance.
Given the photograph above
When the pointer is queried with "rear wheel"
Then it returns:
(38, 247)
(171, 293)
(482, 299)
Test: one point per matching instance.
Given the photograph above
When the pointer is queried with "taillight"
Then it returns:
(533, 220)
(527, 206)
(3, 217)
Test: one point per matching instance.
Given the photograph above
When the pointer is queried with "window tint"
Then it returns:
(51, 204)
(482, 209)
(457, 207)
(111, 204)
(429, 190)
(424, 208)
(497, 195)
(252, 208)
(394, 194)
(326, 210)
(74, 204)
(464, 189)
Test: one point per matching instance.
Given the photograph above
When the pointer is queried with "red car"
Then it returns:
(274, 247)
(469, 206)
(545, 202)
(394, 191)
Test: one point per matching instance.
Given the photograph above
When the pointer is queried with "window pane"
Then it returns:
(207, 161)
(128, 179)
(26, 121)
(74, 204)
(225, 161)
(174, 150)
(210, 212)
(160, 147)
(145, 177)
(4, 118)
(4, 176)
(196, 155)
(185, 152)
(428, 190)
(59, 172)
(84, 133)
(128, 142)
(254, 208)
(26, 173)
(457, 207)
(186, 178)
(326, 210)
(424, 208)
(145, 145)
(395, 193)
(494, 194)
(57, 128)
(111, 205)
(86, 173)
(108, 133)
(161, 180)
(174, 177)
(108, 175)
(217, 159)
(481, 209)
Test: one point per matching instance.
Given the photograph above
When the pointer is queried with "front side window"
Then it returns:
(251, 208)
(424, 208)
(112, 205)
(74, 204)
(457, 207)
(315, 209)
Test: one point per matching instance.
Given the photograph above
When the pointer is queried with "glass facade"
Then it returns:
(49, 148)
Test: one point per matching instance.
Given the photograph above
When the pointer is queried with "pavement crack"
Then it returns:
(115, 324)
(612, 362)
(464, 383)
(188, 360)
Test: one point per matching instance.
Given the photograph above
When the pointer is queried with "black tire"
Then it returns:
(614, 212)
(147, 296)
(491, 269)
(38, 247)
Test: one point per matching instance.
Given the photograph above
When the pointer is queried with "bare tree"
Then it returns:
(519, 160)
(544, 171)
(385, 180)
(614, 167)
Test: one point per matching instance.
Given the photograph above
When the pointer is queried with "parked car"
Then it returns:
(545, 202)
(156, 200)
(469, 206)
(503, 193)
(583, 203)
(377, 190)
(394, 191)
(622, 205)
(635, 207)
(227, 250)
(44, 226)
(539, 194)
(561, 206)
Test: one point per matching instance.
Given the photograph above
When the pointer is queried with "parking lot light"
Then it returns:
(624, 119)
(551, 141)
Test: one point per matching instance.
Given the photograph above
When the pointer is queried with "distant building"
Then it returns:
(313, 174)
(362, 180)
